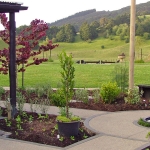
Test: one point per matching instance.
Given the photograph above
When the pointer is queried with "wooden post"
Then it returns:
(132, 44)
(12, 64)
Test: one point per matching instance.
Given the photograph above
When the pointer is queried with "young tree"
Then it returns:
(26, 40)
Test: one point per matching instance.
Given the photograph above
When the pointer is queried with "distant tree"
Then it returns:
(85, 31)
(146, 25)
(93, 29)
(95, 24)
(146, 35)
(114, 29)
(122, 29)
(121, 19)
(19, 29)
(66, 34)
(138, 45)
(60, 36)
(103, 21)
(52, 31)
(139, 30)
(69, 33)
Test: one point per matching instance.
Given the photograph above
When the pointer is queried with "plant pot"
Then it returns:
(68, 128)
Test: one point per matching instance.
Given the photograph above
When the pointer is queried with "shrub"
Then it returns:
(109, 91)
(89, 41)
(58, 98)
(50, 60)
(111, 37)
(96, 96)
(146, 36)
(127, 40)
(133, 96)
(143, 123)
(102, 46)
(139, 61)
(81, 95)
(122, 37)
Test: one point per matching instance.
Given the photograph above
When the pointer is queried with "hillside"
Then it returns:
(93, 15)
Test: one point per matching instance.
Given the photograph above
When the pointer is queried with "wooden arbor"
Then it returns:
(11, 8)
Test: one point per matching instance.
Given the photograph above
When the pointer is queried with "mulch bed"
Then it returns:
(40, 130)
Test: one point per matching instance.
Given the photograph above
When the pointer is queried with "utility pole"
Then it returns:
(132, 43)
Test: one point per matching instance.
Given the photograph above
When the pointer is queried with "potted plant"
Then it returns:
(68, 125)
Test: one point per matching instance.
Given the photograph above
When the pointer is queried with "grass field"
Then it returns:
(86, 75)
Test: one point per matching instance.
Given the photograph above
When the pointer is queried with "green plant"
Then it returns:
(58, 98)
(52, 132)
(81, 95)
(20, 101)
(143, 123)
(133, 96)
(96, 96)
(89, 41)
(139, 61)
(24, 114)
(19, 121)
(8, 122)
(16, 132)
(44, 105)
(121, 76)
(31, 118)
(81, 129)
(72, 138)
(85, 136)
(50, 60)
(2, 91)
(65, 119)
(62, 112)
(102, 46)
(61, 139)
(67, 79)
(43, 129)
(40, 116)
(109, 91)
(56, 127)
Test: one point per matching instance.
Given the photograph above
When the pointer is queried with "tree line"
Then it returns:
(105, 27)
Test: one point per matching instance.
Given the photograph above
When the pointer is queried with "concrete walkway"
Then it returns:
(115, 131)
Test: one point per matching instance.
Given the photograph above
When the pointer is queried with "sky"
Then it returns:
(53, 10)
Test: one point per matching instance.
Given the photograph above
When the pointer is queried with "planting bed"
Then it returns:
(42, 129)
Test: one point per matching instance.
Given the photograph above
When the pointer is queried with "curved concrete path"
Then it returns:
(115, 131)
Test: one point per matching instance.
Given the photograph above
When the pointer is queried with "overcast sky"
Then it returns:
(53, 10)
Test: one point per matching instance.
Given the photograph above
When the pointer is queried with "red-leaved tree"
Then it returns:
(26, 41)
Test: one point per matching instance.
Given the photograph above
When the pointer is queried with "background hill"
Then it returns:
(92, 15)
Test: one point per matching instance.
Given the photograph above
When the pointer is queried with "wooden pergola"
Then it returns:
(12, 8)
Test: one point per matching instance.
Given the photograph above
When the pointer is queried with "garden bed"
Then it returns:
(40, 128)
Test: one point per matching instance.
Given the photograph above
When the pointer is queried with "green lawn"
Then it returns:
(86, 75)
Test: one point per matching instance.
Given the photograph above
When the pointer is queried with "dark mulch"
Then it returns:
(118, 105)
(41, 130)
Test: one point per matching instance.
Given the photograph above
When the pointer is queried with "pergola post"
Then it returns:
(12, 64)
(132, 44)
(12, 8)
